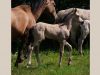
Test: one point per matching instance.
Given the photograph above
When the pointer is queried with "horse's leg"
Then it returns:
(26, 44)
(80, 42)
(61, 51)
(31, 48)
(37, 53)
(20, 55)
(70, 52)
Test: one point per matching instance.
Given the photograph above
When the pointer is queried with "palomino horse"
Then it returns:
(59, 32)
(83, 13)
(23, 18)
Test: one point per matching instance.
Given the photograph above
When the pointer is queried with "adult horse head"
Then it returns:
(51, 8)
(23, 18)
(25, 15)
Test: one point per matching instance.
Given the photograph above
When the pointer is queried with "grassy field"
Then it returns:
(49, 65)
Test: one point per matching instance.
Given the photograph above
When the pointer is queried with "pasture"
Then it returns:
(49, 64)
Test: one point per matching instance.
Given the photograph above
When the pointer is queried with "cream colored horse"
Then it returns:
(59, 32)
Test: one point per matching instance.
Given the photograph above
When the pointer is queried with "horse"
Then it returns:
(83, 13)
(59, 32)
(23, 18)
(85, 30)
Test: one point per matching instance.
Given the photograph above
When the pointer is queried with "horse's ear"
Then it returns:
(75, 10)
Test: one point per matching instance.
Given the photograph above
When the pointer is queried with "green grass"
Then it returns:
(49, 65)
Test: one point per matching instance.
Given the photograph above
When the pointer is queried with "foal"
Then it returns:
(84, 14)
(59, 32)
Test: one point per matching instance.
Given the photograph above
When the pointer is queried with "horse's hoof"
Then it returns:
(81, 53)
(16, 65)
(69, 63)
(60, 65)
(28, 65)
(25, 57)
(20, 60)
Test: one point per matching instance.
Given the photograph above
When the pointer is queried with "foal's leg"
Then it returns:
(30, 48)
(70, 52)
(37, 54)
(61, 51)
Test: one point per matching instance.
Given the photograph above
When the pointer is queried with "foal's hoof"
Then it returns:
(28, 65)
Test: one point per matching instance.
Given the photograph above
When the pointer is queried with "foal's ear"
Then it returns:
(75, 10)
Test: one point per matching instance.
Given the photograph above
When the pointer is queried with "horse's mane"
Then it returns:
(31, 3)
(67, 16)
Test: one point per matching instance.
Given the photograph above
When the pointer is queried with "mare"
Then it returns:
(23, 18)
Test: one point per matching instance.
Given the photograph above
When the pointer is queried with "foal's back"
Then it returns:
(51, 31)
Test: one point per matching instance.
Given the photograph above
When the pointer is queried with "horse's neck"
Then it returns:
(38, 11)
(26, 8)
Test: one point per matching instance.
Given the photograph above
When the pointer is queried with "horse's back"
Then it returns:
(62, 13)
(84, 13)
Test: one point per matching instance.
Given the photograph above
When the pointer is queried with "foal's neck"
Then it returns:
(68, 22)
